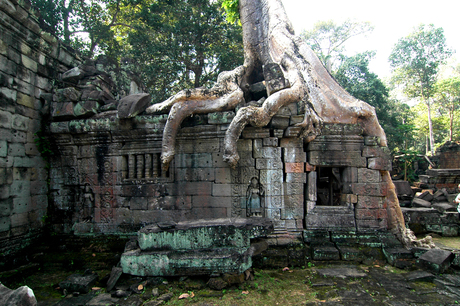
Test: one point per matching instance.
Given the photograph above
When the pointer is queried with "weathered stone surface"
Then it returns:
(102, 299)
(132, 105)
(69, 94)
(352, 272)
(188, 262)
(203, 234)
(79, 283)
(416, 202)
(274, 78)
(436, 260)
(85, 109)
(114, 276)
(22, 296)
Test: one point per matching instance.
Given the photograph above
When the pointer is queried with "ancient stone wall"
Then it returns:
(30, 62)
(108, 177)
(448, 156)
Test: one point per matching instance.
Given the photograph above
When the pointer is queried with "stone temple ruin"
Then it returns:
(328, 198)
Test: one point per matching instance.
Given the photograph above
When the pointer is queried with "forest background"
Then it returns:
(171, 45)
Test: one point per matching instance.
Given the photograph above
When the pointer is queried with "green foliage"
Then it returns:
(447, 97)
(181, 46)
(44, 146)
(231, 10)
(354, 76)
(327, 39)
(416, 59)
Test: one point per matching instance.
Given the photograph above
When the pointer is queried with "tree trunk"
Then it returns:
(270, 45)
(430, 125)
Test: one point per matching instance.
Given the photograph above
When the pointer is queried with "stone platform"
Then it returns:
(200, 247)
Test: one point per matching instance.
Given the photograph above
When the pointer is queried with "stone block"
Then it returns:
(21, 204)
(170, 203)
(349, 198)
(195, 174)
(279, 122)
(274, 78)
(270, 142)
(368, 176)
(379, 163)
(246, 160)
(39, 202)
(436, 260)
(31, 149)
(5, 119)
(20, 188)
(223, 175)
(132, 105)
(416, 202)
(337, 159)
(266, 152)
(6, 176)
(370, 224)
(5, 191)
(23, 295)
(63, 110)
(294, 155)
(6, 207)
(26, 100)
(370, 189)
(274, 202)
(191, 188)
(137, 203)
(6, 161)
(311, 186)
(19, 136)
(294, 167)
(370, 202)
(8, 66)
(321, 252)
(38, 187)
(221, 190)
(212, 202)
(218, 161)
(198, 146)
(296, 177)
(5, 224)
(208, 213)
(247, 144)
(29, 63)
(16, 149)
(370, 214)
(268, 164)
(86, 109)
(376, 151)
(79, 283)
(196, 160)
(255, 132)
(330, 218)
(19, 220)
(291, 143)
(187, 262)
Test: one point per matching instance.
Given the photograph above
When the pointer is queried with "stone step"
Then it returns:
(203, 234)
(188, 262)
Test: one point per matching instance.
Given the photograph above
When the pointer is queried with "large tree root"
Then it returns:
(268, 38)
(226, 95)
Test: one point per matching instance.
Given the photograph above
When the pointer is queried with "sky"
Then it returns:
(392, 20)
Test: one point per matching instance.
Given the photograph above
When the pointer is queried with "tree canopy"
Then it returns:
(169, 44)
(415, 60)
(328, 39)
